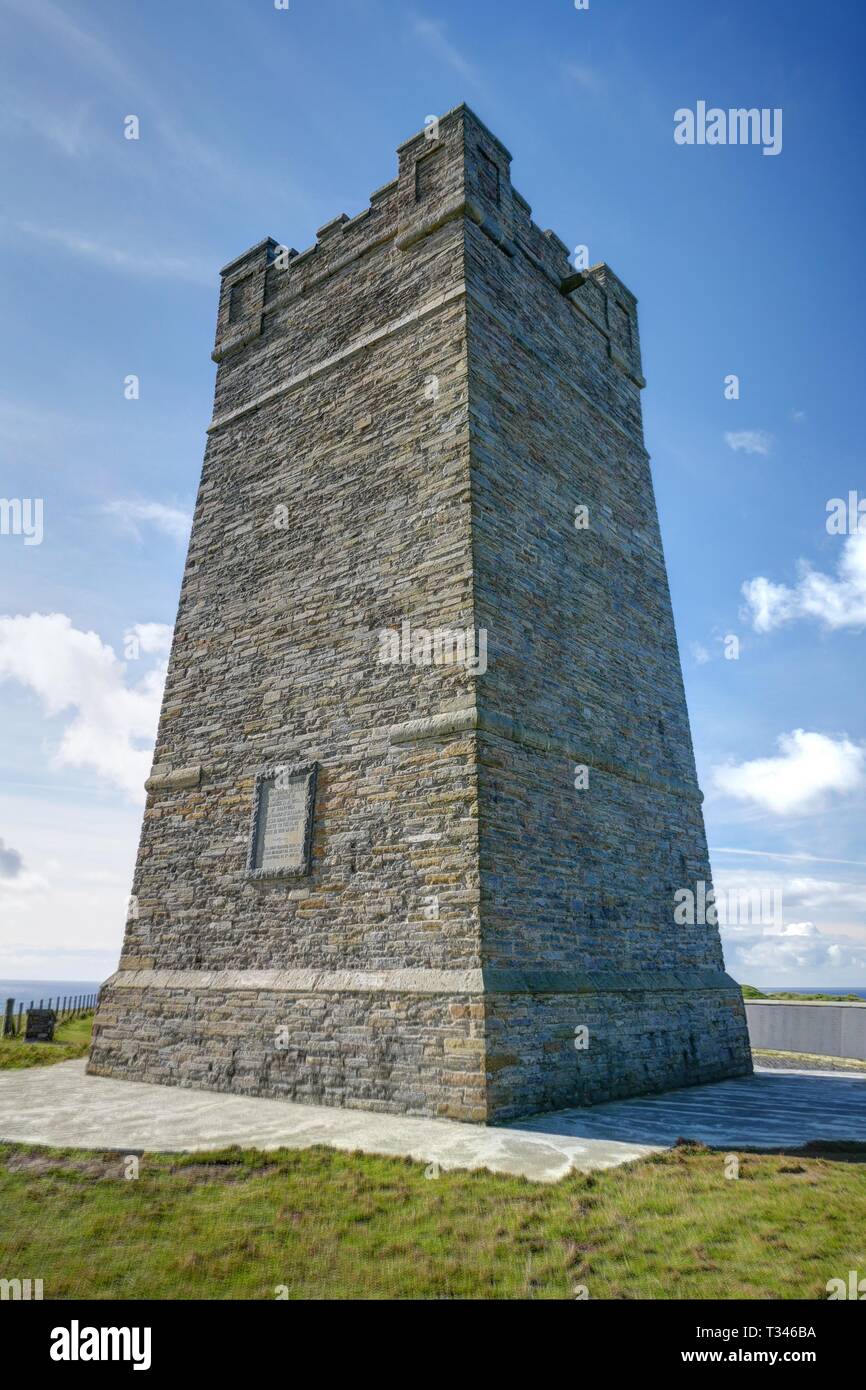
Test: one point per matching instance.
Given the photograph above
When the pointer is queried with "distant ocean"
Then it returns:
(26, 992)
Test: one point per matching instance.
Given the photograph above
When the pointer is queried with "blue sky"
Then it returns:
(256, 121)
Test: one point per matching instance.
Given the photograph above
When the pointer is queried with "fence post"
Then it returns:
(8, 1021)
(20, 1020)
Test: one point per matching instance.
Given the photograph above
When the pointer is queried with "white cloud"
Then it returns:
(701, 654)
(838, 602)
(809, 767)
(172, 521)
(125, 259)
(14, 892)
(797, 949)
(825, 895)
(113, 725)
(749, 441)
(152, 638)
(798, 416)
(827, 900)
(810, 930)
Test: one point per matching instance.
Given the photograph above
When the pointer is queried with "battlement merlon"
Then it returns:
(455, 167)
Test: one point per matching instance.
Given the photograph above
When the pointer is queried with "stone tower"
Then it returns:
(424, 787)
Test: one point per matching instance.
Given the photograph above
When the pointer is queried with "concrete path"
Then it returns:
(62, 1106)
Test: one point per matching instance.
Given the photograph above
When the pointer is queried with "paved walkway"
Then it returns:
(62, 1106)
(769, 1110)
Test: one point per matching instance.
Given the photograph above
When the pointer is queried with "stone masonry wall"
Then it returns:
(578, 882)
(404, 1052)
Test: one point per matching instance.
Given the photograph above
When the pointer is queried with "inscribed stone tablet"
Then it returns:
(282, 821)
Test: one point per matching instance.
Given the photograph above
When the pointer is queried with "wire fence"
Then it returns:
(64, 1007)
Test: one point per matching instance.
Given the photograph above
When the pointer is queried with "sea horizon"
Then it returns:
(26, 992)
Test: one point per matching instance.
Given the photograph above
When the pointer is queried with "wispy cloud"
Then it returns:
(772, 854)
(57, 25)
(172, 521)
(124, 260)
(583, 76)
(808, 768)
(95, 55)
(433, 35)
(749, 441)
(65, 130)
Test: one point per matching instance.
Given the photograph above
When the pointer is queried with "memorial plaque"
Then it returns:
(40, 1025)
(280, 839)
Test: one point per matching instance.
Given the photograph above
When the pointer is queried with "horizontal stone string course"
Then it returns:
(460, 721)
(307, 981)
(464, 208)
(479, 981)
(465, 721)
(339, 358)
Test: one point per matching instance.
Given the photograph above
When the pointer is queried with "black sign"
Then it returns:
(40, 1025)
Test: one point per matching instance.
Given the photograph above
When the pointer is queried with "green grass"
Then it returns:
(331, 1225)
(238, 1224)
(71, 1039)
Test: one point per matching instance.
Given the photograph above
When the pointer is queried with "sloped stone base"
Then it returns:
(636, 1042)
(402, 1053)
(464, 1054)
